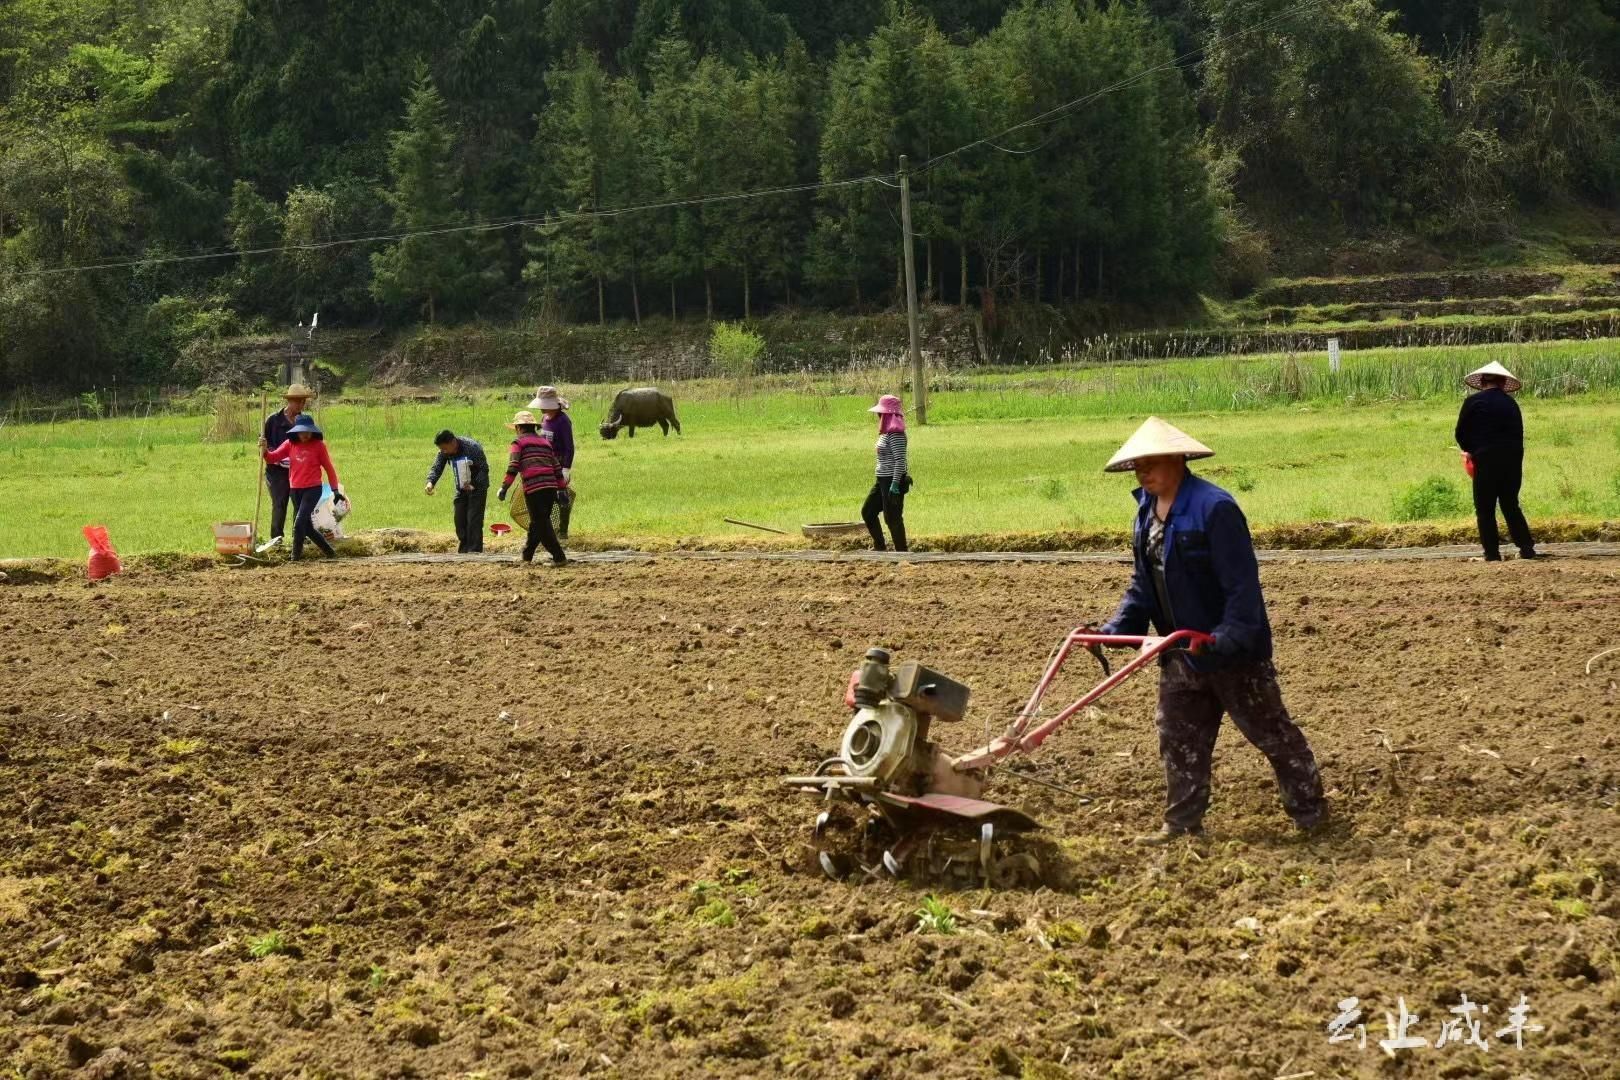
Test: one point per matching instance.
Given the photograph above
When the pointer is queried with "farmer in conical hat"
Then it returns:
(1490, 430)
(298, 397)
(534, 463)
(560, 430)
(1195, 569)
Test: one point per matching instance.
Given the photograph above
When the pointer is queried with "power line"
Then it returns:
(481, 226)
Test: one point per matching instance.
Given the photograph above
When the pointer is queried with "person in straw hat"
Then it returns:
(1490, 431)
(1195, 569)
(533, 459)
(297, 397)
(560, 430)
(893, 480)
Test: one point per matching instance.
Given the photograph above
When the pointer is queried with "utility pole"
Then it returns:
(919, 389)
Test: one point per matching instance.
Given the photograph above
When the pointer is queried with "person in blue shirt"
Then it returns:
(471, 493)
(1195, 569)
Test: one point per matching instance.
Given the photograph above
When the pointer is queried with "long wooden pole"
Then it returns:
(258, 469)
(919, 389)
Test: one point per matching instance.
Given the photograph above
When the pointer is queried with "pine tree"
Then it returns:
(430, 270)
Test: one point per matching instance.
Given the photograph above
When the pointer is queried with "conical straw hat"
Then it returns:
(1475, 378)
(1155, 438)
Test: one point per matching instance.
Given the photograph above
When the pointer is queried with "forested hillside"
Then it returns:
(241, 163)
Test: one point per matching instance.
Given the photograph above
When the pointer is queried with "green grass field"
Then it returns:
(1005, 451)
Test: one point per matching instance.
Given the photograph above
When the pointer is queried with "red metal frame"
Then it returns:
(1016, 739)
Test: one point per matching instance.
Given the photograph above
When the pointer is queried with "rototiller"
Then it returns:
(918, 810)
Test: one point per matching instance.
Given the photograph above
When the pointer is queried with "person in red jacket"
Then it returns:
(306, 456)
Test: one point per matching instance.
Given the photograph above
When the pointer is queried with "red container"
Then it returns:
(1468, 463)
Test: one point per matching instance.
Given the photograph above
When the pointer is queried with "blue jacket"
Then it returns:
(1210, 573)
(473, 451)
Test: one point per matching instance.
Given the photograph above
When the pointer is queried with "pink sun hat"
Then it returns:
(889, 405)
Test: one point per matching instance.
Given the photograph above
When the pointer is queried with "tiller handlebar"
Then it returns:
(1021, 738)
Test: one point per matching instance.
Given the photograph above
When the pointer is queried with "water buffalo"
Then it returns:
(641, 407)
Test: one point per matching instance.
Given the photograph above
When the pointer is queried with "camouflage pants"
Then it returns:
(1191, 703)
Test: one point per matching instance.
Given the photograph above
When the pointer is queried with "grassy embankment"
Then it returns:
(1009, 451)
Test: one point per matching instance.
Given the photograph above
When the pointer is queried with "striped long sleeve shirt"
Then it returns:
(891, 455)
(533, 459)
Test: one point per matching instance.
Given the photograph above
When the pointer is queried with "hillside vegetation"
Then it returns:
(230, 167)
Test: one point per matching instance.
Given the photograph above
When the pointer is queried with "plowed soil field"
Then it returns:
(360, 820)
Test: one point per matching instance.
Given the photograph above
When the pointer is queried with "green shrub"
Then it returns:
(734, 349)
(1435, 497)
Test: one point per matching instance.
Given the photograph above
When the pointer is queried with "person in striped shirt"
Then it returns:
(533, 459)
(888, 494)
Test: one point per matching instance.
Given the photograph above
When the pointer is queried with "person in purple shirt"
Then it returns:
(561, 430)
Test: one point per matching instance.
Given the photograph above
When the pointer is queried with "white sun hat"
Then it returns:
(1155, 438)
(1476, 379)
(546, 397)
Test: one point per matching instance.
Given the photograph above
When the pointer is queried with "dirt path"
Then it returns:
(1335, 555)
(511, 822)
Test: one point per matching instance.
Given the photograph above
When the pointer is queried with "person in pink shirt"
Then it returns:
(306, 456)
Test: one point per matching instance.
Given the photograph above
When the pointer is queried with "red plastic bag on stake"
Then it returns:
(103, 559)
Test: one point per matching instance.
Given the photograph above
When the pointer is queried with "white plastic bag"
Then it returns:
(327, 517)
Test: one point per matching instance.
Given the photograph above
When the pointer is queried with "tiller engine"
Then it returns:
(917, 809)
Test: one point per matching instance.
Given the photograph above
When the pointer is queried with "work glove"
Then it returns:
(500, 496)
(428, 490)
(566, 473)
(894, 488)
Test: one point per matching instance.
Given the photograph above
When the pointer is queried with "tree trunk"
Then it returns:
(673, 314)
(1079, 276)
(1062, 266)
(601, 303)
(1099, 270)
(430, 309)
(928, 255)
(708, 296)
(961, 297)
(635, 298)
(1039, 273)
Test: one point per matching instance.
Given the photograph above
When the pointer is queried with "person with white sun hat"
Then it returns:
(1195, 569)
(1490, 431)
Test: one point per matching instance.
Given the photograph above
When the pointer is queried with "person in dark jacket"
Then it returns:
(275, 473)
(1195, 569)
(534, 464)
(893, 479)
(463, 455)
(560, 430)
(1490, 430)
